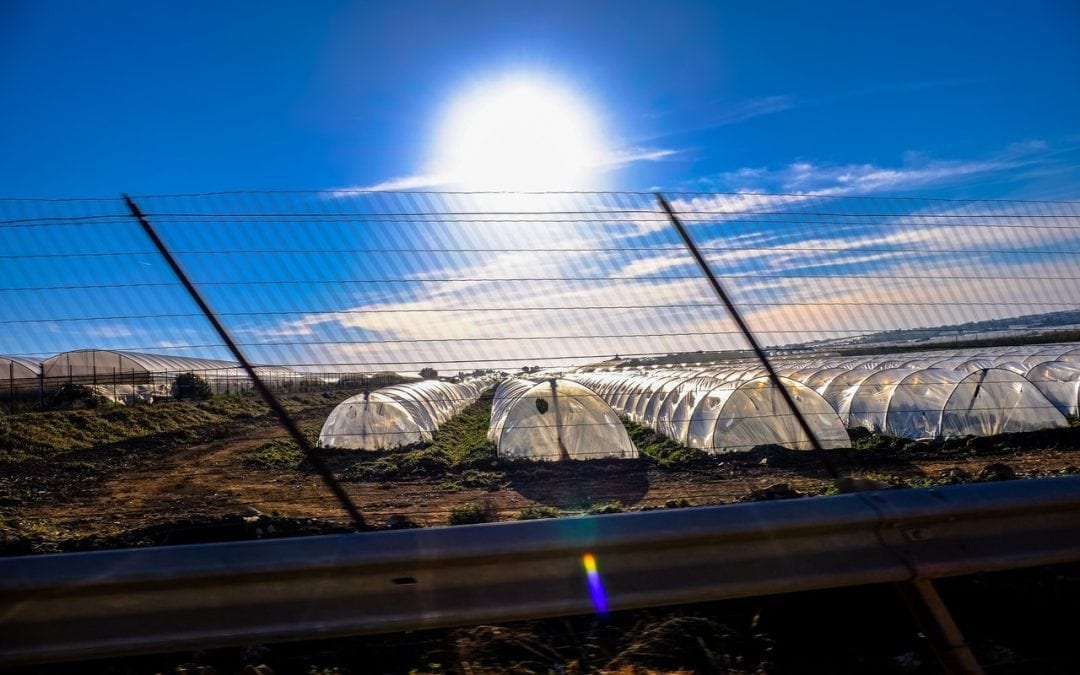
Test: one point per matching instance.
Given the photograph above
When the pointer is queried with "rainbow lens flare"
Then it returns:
(596, 585)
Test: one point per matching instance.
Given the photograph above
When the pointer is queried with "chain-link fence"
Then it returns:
(335, 294)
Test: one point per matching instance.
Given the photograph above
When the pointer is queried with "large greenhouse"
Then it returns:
(555, 419)
(931, 394)
(937, 403)
(106, 369)
(397, 416)
(719, 412)
(101, 365)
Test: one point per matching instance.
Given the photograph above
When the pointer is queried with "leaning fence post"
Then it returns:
(276, 407)
(747, 334)
(925, 605)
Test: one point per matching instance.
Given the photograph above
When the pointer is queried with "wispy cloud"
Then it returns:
(795, 282)
(870, 178)
(913, 294)
(592, 278)
(110, 331)
(620, 158)
(728, 112)
(740, 111)
(914, 172)
(170, 344)
(608, 161)
(418, 181)
(721, 113)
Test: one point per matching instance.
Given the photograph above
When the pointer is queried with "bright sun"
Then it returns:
(519, 134)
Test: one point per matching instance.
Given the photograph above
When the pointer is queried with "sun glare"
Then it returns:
(519, 134)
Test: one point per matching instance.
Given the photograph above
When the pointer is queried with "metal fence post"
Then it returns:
(283, 417)
(925, 606)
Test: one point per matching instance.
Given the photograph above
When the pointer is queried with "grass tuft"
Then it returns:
(606, 507)
(471, 514)
(537, 512)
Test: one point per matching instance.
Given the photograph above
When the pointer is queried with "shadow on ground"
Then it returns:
(580, 484)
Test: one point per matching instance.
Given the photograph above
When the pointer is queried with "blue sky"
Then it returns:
(969, 101)
(98, 98)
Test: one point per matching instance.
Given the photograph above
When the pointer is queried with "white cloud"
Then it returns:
(554, 304)
(916, 171)
(755, 107)
(649, 266)
(607, 161)
(553, 278)
(725, 113)
(110, 331)
(402, 183)
(911, 295)
(619, 158)
(170, 344)
(868, 178)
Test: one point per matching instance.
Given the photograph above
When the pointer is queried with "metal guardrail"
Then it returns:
(72, 606)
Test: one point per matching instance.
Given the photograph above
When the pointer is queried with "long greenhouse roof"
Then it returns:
(21, 362)
(160, 362)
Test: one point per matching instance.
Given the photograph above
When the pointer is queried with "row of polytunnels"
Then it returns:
(734, 406)
(399, 415)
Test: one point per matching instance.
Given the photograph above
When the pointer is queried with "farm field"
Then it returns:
(671, 337)
(222, 469)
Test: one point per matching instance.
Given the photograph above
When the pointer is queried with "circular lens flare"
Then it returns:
(520, 133)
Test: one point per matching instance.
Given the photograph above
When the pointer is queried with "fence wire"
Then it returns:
(344, 281)
(349, 291)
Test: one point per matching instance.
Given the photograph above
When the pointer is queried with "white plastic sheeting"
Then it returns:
(112, 367)
(994, 401)
(719, 410)
(840, 391)
(397, 416)
(931, 394)
(127, 394)
(1059, 381)
(103, 363)
(864, 401)
(738, 417)
(555, 419)
(938, 403)
(18, 368)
